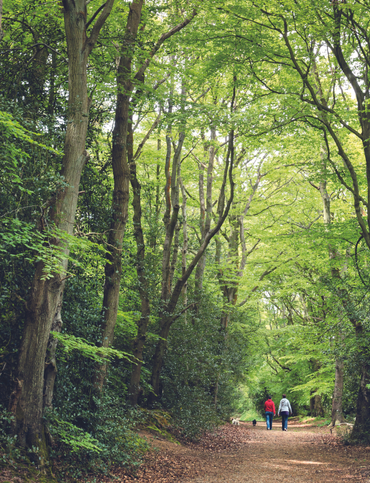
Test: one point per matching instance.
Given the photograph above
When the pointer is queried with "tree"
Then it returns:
(126, 80)
(45, 299)
(292, 38)
(170, 299)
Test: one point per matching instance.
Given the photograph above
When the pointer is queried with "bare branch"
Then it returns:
(265, 273)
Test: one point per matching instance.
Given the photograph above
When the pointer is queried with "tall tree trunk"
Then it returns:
(139, 342)
(336, 409)
(51, 361)
(361, 429)
(207, 216)
(121, 175)
(175, 254)
(316, 408)
(156, 210)
(46, 293)
(230, 289)
(185, 243)
(172, 213)
(169, 316)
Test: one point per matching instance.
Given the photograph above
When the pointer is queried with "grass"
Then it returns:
(318, 421)
(251, 414)
(324, 422)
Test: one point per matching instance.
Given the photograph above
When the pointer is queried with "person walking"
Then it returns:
(284, 409)
(269, 411)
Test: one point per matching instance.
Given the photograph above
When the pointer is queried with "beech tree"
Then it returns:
(292, 37)
(126, 80)
(46, 293)
(172, 290)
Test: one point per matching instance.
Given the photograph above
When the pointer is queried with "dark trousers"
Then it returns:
(284, 419)
(269, 416)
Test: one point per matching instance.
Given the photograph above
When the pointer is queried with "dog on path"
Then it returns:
(254, 422)
(235, 421)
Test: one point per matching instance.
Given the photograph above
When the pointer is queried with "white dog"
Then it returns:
(235, 421)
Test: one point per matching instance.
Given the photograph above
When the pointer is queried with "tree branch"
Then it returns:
(147, 136)
(90, 41)
(183, 310)
(265, 273)
(95, 15)
(162, 39)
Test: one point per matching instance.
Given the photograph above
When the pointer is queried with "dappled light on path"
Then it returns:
(306, 462)
(241, 454)
(302, 454)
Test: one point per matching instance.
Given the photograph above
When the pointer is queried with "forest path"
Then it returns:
(302, 454)
(239, 454)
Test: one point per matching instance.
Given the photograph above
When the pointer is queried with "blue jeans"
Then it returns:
(269, 416)
(284, 419)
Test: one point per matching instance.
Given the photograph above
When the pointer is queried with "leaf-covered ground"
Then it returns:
(238, 454)
(170, 462)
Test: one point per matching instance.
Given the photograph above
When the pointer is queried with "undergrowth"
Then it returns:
(76, 453)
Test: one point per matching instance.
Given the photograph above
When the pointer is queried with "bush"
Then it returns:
(202, 369)
(111, 441)
(10, 454)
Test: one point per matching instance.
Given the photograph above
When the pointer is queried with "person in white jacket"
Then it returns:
(284, 409)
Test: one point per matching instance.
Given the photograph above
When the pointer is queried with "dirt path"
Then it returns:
(239, 454)
(302, 454)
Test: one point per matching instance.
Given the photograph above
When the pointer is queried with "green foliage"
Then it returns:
(97, 354)
(9, 453)
(202, 370)
(157, 421)
(34, 246)
(106, 421)
(73, 437)
(115, 429)
(13, 154)
(112, 442)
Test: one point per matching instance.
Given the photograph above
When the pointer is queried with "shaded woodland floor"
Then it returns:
(238, 454)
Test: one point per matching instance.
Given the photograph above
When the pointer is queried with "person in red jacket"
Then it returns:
(269, 411)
